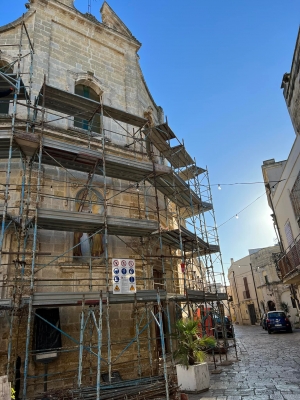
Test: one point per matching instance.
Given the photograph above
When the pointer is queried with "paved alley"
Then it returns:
(269, 368)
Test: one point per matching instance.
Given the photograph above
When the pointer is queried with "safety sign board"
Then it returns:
(123, 276)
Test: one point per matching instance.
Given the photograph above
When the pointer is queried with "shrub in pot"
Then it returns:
(192, 371)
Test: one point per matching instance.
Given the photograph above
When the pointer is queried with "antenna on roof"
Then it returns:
(89, 6)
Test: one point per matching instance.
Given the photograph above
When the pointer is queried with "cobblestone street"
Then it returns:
(269, 368)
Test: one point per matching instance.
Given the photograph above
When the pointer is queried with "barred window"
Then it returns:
(295, 196)
(289, 233)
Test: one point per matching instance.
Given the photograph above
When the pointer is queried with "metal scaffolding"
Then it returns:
(168, 227)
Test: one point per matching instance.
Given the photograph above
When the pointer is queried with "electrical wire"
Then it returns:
(158, 185)
(234, 216)
(247, 183)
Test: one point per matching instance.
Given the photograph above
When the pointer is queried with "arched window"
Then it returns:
(4, 102)
(89, 93)
(86, 247)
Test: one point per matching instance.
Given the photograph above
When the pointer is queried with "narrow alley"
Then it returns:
(269, 368)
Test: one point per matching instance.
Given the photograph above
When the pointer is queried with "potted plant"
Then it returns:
(192, 371)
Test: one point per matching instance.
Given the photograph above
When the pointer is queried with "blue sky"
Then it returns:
(216, 69)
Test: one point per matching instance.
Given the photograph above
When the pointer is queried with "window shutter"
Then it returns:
(246, 284)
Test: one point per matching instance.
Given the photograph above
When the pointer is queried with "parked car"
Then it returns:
(278, 321)
(228, 327)
(263, 321)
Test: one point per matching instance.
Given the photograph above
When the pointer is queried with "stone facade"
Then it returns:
(254, 282)
(74, 50)
(282, 182)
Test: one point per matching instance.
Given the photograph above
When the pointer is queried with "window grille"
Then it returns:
(295, 196)
(289, 233)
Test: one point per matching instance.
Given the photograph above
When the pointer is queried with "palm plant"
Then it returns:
(285, 307)
(191, 347)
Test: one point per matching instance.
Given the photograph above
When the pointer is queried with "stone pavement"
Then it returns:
(269, 368)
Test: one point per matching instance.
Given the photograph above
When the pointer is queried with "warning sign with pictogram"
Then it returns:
(123, 276)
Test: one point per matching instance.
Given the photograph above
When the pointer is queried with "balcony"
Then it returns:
(289, 264)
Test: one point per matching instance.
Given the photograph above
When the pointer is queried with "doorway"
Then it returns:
(251, 310)
(271, 305)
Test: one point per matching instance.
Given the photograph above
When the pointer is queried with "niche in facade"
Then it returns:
(86, 247)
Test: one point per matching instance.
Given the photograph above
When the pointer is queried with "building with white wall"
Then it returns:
(256, 288)
(244, 305)
(282, 180)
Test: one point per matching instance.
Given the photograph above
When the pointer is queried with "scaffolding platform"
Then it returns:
(74, 105)
(190, 242)
(6, 304)
(160, 135)
(178, 157)
(70, 156)
(57, 153)
(196, 296)
(178, 191)
(191, 172)
(187, 212)
(58, 299)
(73, 221)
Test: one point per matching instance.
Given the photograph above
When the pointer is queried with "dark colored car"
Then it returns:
(228, 327)
(278, 321)
(263, 321)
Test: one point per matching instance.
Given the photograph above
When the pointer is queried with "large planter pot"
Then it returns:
(194, 379)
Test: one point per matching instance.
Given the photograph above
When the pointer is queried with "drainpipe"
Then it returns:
(237, 295)
(278, 234)
(255, 290)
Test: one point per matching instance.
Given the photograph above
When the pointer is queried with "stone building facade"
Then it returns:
(282, 179)
(256, 287)
(84, 186)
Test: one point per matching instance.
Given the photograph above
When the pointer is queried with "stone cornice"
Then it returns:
(110, 17)
(131, 40)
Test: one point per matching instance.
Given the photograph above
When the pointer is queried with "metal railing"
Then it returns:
(291, 260)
